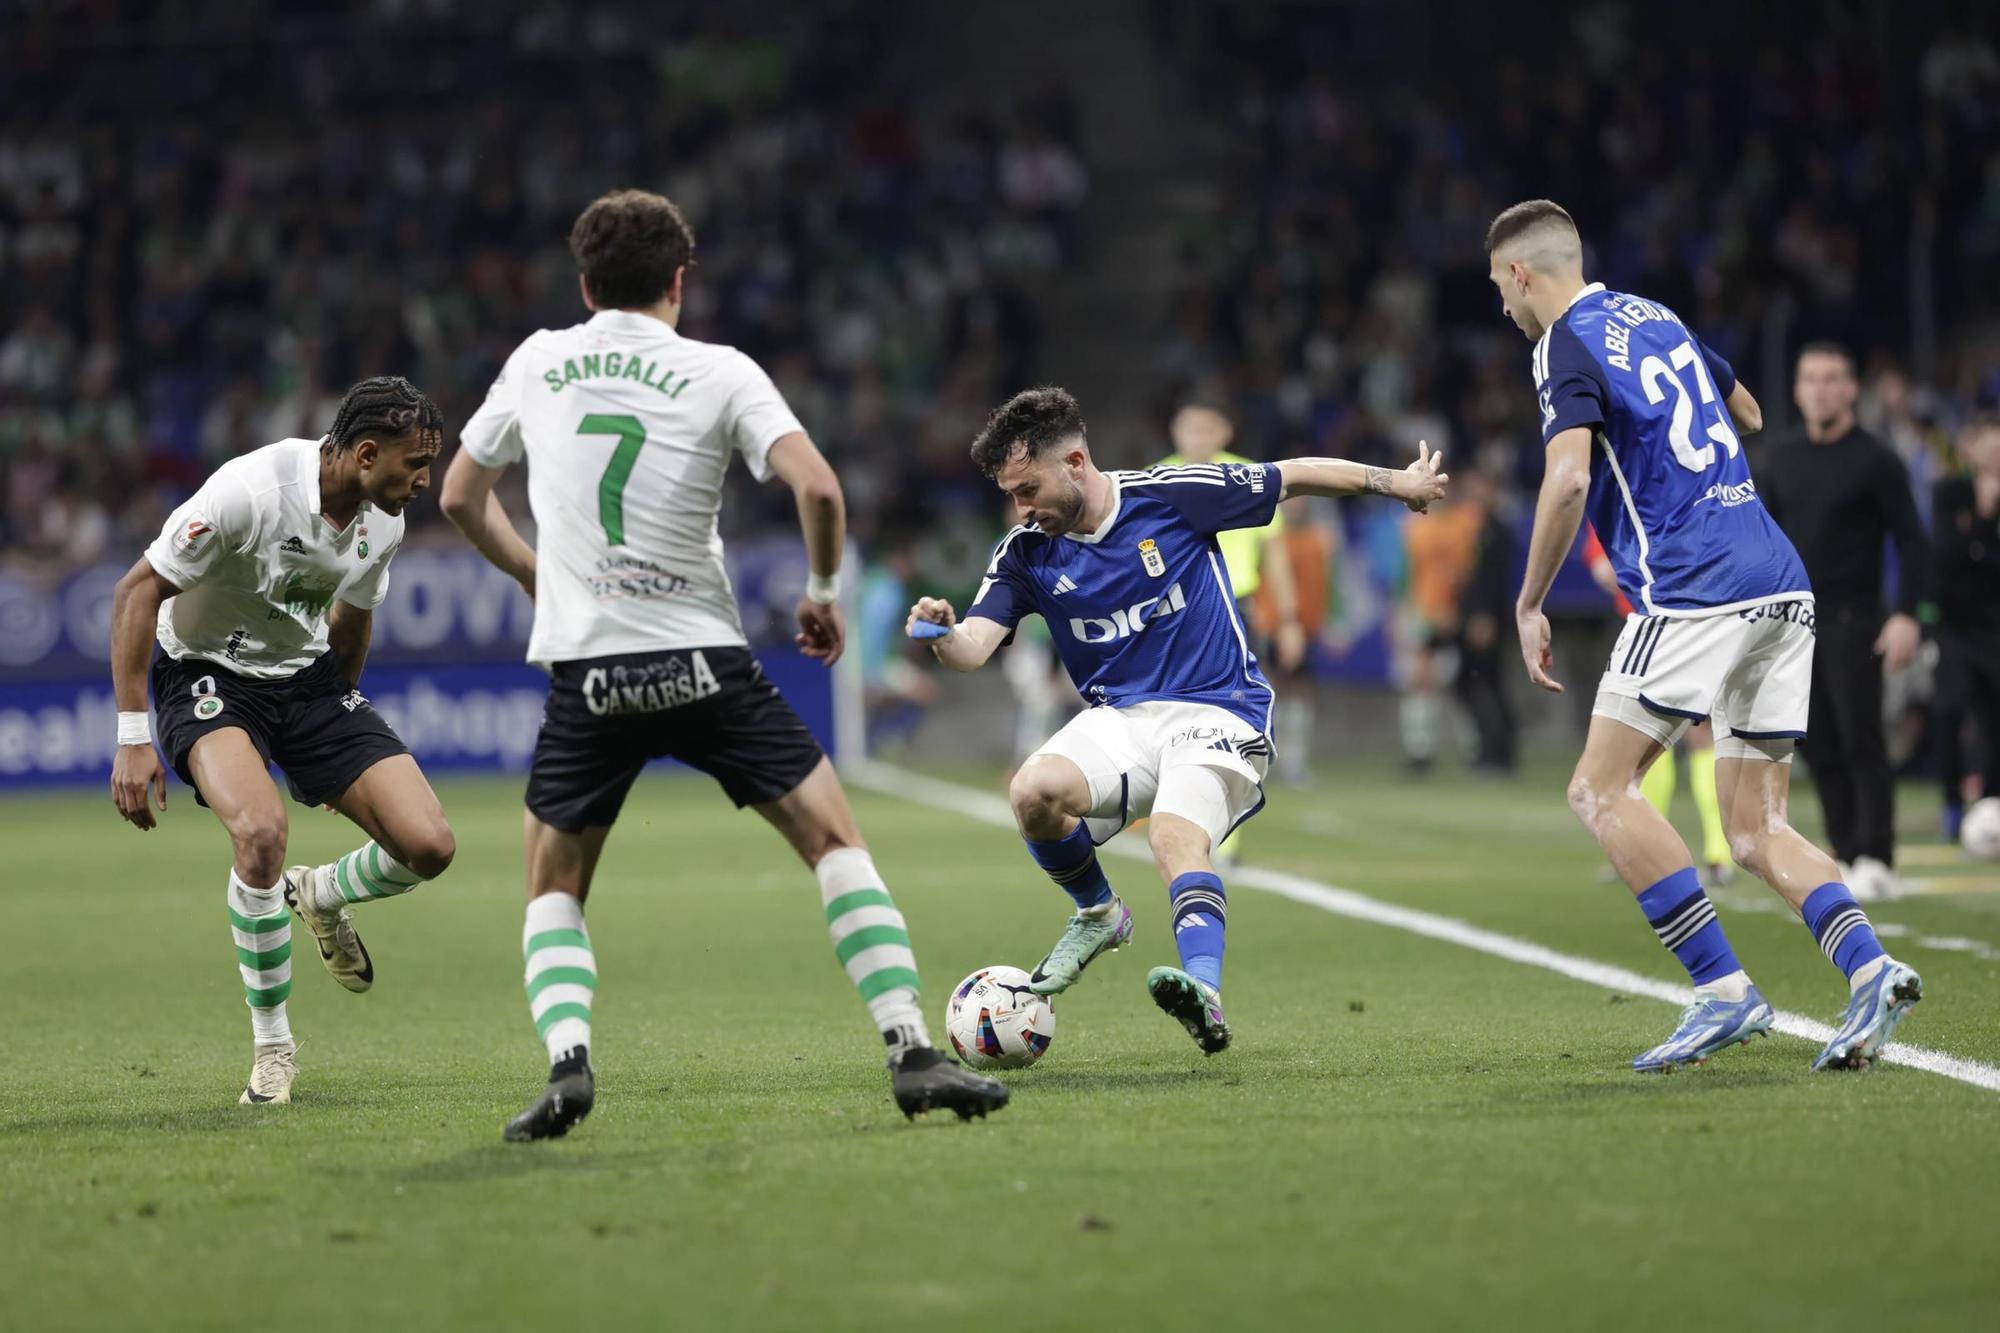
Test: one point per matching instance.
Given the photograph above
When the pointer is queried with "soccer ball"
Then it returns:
(1979, 832)
(996, 1022)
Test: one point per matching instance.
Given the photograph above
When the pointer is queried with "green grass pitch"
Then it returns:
(1406, 1134)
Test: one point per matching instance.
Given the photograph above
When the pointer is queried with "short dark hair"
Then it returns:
(1828, 347)
(628, 244)
(1522, 217)
(1031, 423)
(388, 407)
(1980, 422)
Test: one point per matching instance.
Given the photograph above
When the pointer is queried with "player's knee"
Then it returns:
(259, 842)
(1037, 795)
(429, 852)
(1586, 799)
(1751, 848)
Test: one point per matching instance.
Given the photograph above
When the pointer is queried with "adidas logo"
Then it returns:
(292, 544)
(1065, 584)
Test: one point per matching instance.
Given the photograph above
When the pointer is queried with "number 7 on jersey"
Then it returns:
(631, 433)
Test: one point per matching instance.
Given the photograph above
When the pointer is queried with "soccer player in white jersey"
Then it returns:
(1125, 569)
(628, 429)
(261, 591)
(1641, 424)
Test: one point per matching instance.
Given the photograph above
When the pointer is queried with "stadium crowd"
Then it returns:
(209, 228)
(206, 236)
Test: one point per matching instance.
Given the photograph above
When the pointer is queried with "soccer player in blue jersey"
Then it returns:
(1641, 425)
(1125, 569)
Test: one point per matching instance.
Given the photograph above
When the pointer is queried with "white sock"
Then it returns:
(262, 928)
(1866, 972)
(561, 972)
(872, 942)
(1731, 988)
(1101, 911)
(363, 875)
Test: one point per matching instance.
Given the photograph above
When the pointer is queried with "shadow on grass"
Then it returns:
(1098, 1080)
(199, 1120)
(507, 1161)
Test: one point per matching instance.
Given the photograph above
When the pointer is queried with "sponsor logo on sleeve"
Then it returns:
(193, 536)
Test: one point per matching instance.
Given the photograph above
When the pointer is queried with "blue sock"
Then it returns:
(1072, 863)
(1841, 928)
(1684, 919)
(1199, 905)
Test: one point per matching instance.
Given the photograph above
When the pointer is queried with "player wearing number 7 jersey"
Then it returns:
(1640, 422)
(628, 428)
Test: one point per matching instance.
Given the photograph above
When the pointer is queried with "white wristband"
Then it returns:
(135, 729)
(823, 588)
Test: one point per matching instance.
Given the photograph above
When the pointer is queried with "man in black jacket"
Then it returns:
(1838, 492)
(1965, 520)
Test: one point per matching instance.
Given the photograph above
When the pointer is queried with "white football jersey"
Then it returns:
(628, 429)
(258, 566)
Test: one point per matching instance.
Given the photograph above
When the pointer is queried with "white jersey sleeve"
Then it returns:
(217, 521)
(371, 588)
(493, 436)
(757, 417)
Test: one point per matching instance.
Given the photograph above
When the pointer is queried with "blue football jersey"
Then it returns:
(1670, 491)
(1141, 608)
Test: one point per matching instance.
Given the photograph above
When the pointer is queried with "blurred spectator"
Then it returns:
(1965, 528)
(896, 691)
(196, 262)
(1485, 641)
(1440, 548)
(1308, 544)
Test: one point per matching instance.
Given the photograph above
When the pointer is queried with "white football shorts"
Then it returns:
(1750, 671)
(1197, 761)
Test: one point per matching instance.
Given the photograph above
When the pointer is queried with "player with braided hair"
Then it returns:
(261, 592)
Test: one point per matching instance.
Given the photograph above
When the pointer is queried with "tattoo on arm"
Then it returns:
(1381, 481)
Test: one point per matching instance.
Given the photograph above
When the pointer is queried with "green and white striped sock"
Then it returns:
(262, 928)
(561, 972)
(361, 876)
(872, 942)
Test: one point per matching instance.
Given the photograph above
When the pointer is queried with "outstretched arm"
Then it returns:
(971, 642)
(1416, 486)
(469, 502)
(1558, 514)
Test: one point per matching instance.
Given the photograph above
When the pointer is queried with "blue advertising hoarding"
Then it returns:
(445, 668)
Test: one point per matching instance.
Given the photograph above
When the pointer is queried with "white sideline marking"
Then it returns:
(990, 809)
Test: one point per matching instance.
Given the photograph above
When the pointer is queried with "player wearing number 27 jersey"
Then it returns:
(1640, 422)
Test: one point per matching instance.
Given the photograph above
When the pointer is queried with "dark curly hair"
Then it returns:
(387, 406)
(1030, 423)
(628, 245)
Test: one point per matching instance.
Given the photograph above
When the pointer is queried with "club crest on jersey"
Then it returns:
(1149, 555)
(361, 548)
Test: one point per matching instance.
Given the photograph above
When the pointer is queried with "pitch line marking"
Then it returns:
(990, 809)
